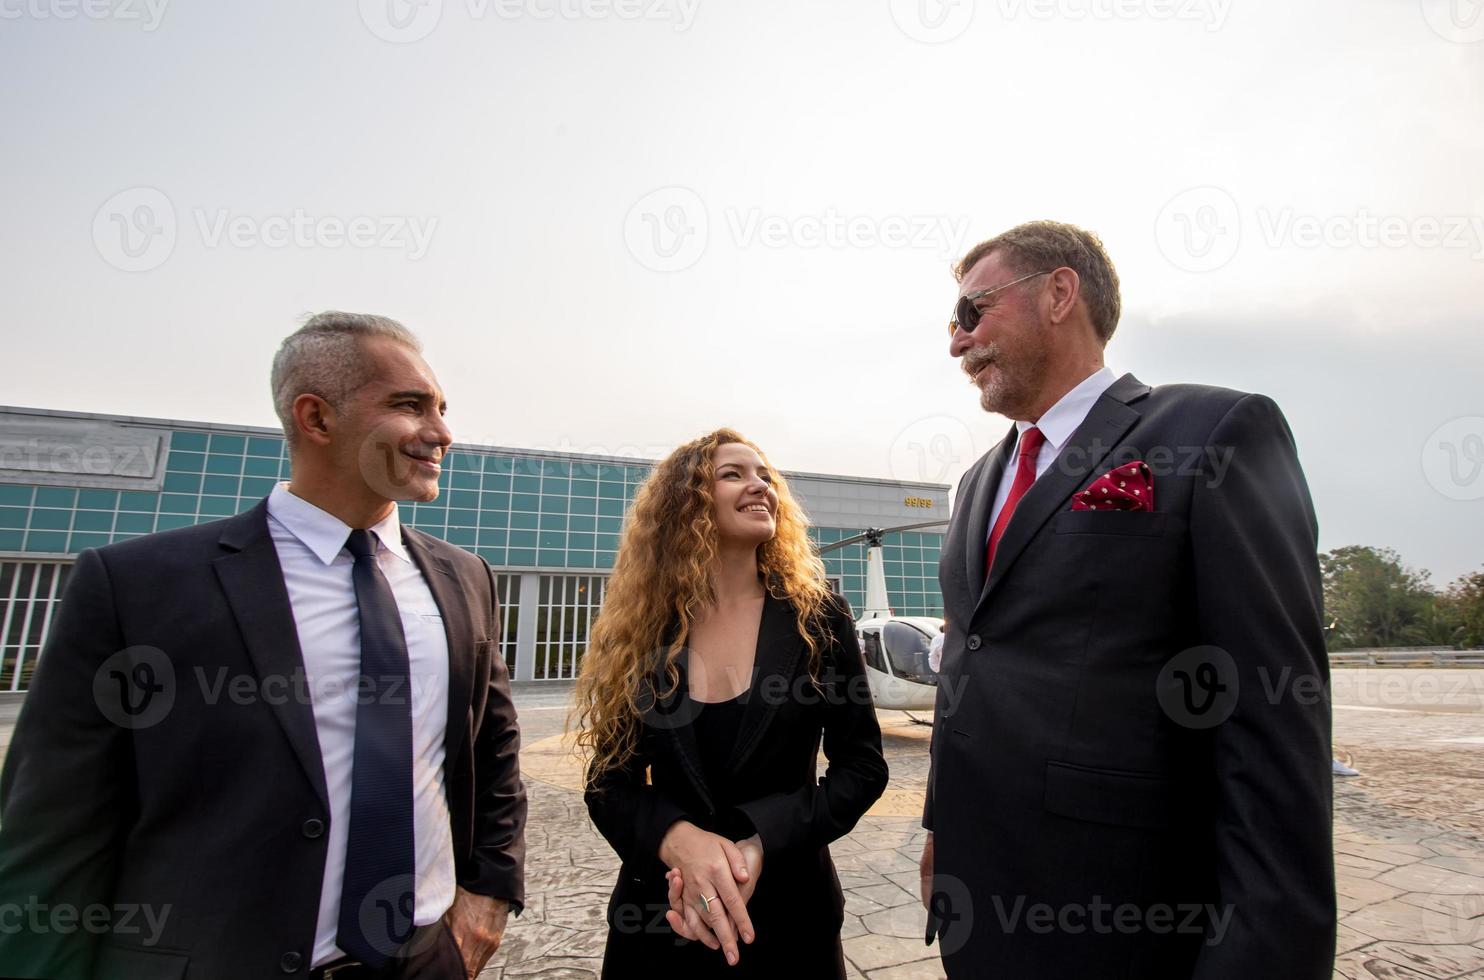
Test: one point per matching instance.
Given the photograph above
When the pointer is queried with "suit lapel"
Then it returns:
(675, 715)
(976, 529)
(777, 656)
(252, 579)
(1110, 418)
(452, 601)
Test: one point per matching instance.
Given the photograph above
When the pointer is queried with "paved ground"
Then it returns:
(1409, 840)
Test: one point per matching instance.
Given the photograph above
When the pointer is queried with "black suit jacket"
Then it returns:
(772, 787)
(209, 806)
(1134, 708)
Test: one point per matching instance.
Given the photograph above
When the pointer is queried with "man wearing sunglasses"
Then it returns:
(1125, 787)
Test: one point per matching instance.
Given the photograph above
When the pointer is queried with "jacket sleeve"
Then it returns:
(499, 796)
(814, 815)
(631, 814)
(66, 794)
(1259, 599)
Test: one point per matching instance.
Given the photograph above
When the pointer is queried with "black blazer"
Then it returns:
(772, 782)
(1070, 765)
(211, 808)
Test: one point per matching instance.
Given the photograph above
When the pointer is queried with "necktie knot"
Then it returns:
(361, 543)
(1031, 440)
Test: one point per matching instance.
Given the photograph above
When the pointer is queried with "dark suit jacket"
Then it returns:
(772, 788)
(209, 807)
(1083, 756)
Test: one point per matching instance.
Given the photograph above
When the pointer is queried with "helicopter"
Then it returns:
(895, 647)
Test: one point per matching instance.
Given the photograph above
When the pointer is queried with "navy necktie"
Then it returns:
(376, 902)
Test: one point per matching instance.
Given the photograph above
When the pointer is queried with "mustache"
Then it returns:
(976, 358)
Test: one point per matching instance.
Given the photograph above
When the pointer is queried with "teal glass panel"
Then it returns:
(231, 445)
(190, 441)
(180, 462)
(93, 520)
(56, 497)
(79, 542)
(520, 556)
(135, 523)
(253, 466)
(51, 520)
(97, 499)
(13, 516)
(16, 496)
(264, 446)
(182, 483)
(50, 542)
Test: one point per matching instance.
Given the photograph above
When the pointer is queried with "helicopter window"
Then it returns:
(908, 646)
(871, 648)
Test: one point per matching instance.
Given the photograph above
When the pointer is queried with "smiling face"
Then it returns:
(744, 500)
(392, 434)
(1008, 355)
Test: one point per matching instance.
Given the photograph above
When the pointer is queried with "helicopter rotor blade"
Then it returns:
(877, 532)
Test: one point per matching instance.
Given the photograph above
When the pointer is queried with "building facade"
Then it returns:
(548, 523)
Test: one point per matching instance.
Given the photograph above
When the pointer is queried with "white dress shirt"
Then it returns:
(317, 570)
(1057, 424)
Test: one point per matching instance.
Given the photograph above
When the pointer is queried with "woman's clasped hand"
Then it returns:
(711, 879)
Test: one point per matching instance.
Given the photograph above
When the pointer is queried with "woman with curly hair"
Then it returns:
(719, 661)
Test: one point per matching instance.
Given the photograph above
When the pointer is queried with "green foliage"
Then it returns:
(1372, 600)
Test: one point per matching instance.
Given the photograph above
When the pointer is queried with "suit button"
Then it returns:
(313, 828)
(974, 641)
(290, 962)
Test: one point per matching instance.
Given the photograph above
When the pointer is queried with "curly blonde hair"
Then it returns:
(661, 580)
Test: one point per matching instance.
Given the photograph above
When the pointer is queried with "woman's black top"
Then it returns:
(716, 727)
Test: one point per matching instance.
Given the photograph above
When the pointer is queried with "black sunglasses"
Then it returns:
(966, 314)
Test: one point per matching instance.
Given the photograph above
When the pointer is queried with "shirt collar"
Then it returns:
(325, 534)
(1059, 421)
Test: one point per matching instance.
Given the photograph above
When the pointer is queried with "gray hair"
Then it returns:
(324, 357)
(1038, 245)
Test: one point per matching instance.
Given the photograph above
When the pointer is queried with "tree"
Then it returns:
(1465, 602)
(1375, 601)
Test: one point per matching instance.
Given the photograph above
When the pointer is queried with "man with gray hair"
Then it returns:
(284, 742)
(1134, 780)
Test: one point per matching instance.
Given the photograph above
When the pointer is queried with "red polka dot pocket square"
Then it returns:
(1129, 486)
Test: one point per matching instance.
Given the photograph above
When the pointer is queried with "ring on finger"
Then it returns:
(706, 903)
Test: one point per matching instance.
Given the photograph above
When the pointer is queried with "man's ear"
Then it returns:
(313, 418)
(1066, 289)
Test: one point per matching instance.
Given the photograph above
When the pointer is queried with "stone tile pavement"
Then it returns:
(1409, 841)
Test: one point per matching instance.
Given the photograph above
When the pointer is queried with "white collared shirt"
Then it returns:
(1057, 424)
(317, 570)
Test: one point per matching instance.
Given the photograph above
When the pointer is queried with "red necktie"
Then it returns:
(1025, 474)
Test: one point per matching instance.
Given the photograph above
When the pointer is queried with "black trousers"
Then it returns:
(431, 954)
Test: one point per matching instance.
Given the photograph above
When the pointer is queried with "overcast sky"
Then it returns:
(620, 223)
